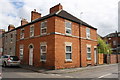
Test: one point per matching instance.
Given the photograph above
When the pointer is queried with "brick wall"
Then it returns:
(113, 58)
(60, 48)
(36, 42)
(56, 44)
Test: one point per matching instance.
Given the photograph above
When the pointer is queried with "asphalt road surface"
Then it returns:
(110, 71)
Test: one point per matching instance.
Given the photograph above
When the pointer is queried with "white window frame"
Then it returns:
(22, 33)
(88, 46)
(68, 28)
(43, 52)
(114, 42)
(68, 52)
(21, 51)
(88, 33)
(1, 49)
(31, 30)
(43, 27)
(119, 35)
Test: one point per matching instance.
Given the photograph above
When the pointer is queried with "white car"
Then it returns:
(8, 60)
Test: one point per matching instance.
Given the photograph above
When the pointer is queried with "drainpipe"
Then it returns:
(80, 45)
(117, 45)
(80, 40)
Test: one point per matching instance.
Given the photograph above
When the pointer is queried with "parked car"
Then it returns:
(8, 60)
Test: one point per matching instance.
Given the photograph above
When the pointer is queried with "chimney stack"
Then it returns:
(2, 31)
(56, 8)
(24, 21)
(10, 27)
(35, 15)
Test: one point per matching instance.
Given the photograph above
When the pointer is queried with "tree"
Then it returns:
(103, 47)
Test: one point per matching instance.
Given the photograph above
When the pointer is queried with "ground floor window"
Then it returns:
(43, 51)
(21, 52)
(68, 51)
(88, 52)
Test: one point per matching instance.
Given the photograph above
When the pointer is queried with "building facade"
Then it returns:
(9, 44)
(114, 40)
(57, 40)
(1, 41)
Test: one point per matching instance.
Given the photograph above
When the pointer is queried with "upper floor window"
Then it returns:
(6, 38)
(11, 35)
(114, 42)
(118, 35)
(43, 27)
(68, 28)
(22, 34)
(31, 31)
(88, 33)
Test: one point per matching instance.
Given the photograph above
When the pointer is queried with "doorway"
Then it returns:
(31, 55)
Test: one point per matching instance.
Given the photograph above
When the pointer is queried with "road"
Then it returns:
(110, 71)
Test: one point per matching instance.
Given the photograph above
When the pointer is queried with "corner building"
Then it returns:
(57, 40)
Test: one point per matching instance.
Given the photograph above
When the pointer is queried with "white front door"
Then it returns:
(95, 55)
(31, 56)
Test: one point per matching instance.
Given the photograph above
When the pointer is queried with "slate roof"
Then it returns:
(62, 14)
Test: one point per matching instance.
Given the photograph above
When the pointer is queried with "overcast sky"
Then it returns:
(101, 14)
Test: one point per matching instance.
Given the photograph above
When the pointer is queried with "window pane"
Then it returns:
(68, 24)
(43, 48)
(119, 35)
(43, 56)
(88, 30)
(68, 31)
(88, 55)
(68, 56)
(43, 24)
(68, 48)
(44, 30)
(88, 50)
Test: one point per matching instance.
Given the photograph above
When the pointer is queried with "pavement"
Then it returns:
(93, 72)
(63, 71)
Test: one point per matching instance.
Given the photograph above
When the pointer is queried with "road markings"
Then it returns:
(104, 75)
(55, 74)
(68, 76)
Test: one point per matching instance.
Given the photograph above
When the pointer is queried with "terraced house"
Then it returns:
(57, 40)
(9, 41)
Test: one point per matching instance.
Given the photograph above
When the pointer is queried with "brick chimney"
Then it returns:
(56, 8)
(35, 15)
(2, 31)
(24, 21)
(10, 27)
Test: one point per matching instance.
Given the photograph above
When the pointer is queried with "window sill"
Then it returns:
(68, 34)
(21, 38)
(31, 36)
(89, 59)
(88, 38)
(68, 61)
(43, 61)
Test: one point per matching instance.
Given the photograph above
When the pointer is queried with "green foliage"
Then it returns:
(103, 47)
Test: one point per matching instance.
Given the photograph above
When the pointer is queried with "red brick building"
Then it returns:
(1, 41)
(114, 40)
(57, 40)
